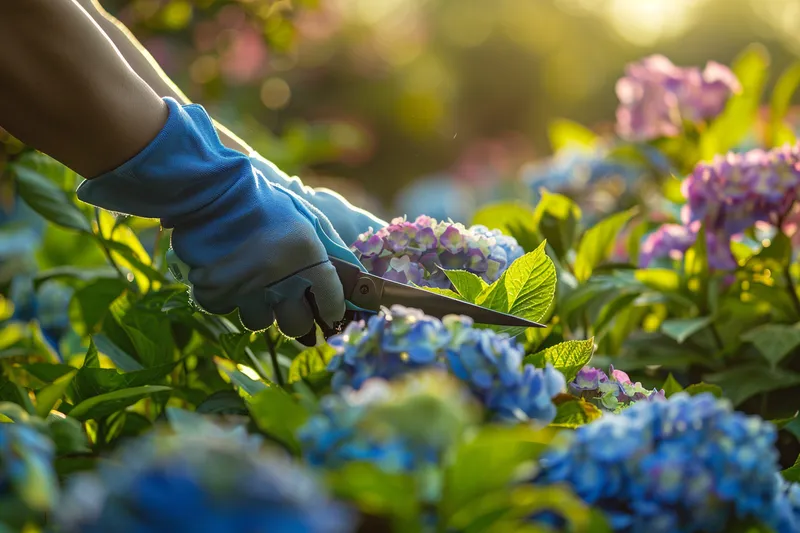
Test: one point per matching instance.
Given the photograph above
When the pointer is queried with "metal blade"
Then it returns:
(371, 292)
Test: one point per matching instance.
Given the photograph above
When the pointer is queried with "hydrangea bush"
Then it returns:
(689, 464)
(405, 422)
(200, 483)
(378, 424)
(402, 340)
(727, 196)
(415, 252)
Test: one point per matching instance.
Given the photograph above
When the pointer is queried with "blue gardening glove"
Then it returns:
(249, 244)
(348, 220)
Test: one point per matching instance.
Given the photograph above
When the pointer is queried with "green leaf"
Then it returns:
(67, 434)
(118, 356)
(695, 261)
(48, 396)
(91, 302)
(779, 132)
(681, 329)
(745, 381)
(792, 474)
(701, 388)
(525, 289)
(111, 402)
(489, 461)
(466, 283)
(512, 218)
(378, 493)
(774, 341)
(48, 200)
(659, 279)
(445, 292)
(224, 402)
(147, 330)
(568, 357)
(277, 414)
(598, 241)
(736, 121)
(48, 372)
(311, 361)
(573, 412)
(556, 217)
(671, 386)
(565, 133)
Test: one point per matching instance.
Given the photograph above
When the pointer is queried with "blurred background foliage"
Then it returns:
(433, 106)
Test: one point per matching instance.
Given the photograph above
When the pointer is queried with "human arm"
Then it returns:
(63, 88)
(348, 220)
(249, 245)
(145, 65)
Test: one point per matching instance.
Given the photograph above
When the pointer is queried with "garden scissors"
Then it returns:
(370, 293)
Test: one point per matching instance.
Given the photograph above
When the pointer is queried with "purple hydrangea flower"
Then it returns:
(200, 484)
(611, 392)
(687, 464)
(734, 191)
(728, 195)
(402, 340)
(413, 252)
(656, 97)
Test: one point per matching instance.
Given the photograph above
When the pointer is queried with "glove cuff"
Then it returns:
(184, 168)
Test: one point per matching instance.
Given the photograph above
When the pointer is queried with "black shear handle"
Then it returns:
(310, 338)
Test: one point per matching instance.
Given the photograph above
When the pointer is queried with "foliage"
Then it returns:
(118, 396)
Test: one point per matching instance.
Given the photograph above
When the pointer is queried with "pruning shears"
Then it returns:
(365, 292)
(369, 293)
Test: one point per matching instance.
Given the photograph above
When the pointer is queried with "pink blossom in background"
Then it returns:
(656, 97)
(245, 57)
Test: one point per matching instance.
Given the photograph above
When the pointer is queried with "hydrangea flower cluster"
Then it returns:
(49, 305)
(380, 424)
(415, 252)
(785, 514)
(401, 340)
(611, 392)
(200, 484)
(656, 97)
(26, 468)
(687, 464)
(729, 195)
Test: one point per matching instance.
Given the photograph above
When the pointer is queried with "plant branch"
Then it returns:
(792, 288)
(106, 251)
(273, 355)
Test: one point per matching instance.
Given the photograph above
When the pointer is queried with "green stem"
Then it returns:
(273, 355)
(790, 286)
(106, 251)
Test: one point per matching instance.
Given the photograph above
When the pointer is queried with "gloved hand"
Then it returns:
(249, 244)
(348, 220)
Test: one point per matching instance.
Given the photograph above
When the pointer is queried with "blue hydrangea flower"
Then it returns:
(200, 484)
(26, 467)
(401, 340)
(415, 252)
(610, 392)
(381, 423)
(784, 517)
(49, 305)
(684, 465)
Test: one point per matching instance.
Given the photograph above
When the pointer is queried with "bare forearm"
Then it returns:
(66, 91)
(147, 67)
